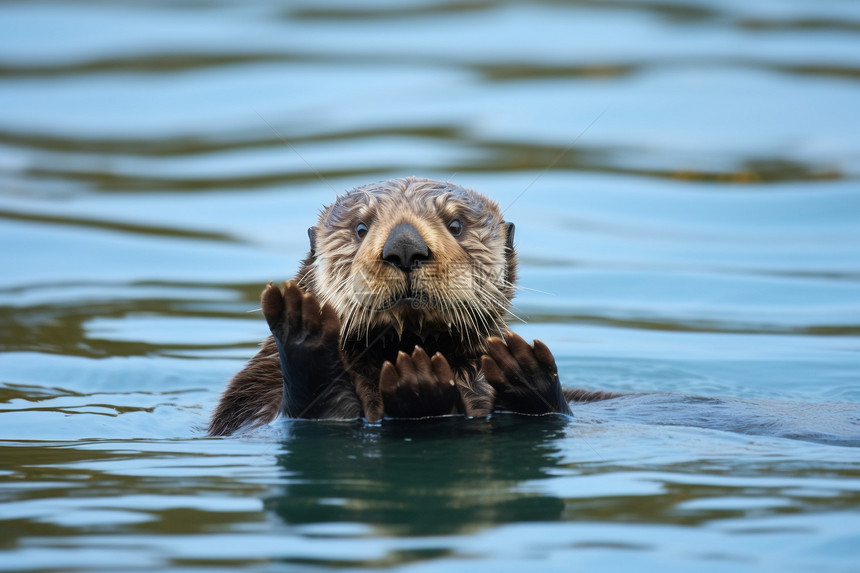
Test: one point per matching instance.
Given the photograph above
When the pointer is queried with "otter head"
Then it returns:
(414, 254)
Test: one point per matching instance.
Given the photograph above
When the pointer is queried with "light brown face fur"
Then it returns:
(464, 288)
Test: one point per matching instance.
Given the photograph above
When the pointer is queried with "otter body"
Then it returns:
(398, 310)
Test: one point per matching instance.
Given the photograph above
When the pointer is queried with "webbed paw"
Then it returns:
(418, 386)
(315, 382)
(524, 377)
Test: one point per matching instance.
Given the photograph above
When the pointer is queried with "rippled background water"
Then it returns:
(684, 179)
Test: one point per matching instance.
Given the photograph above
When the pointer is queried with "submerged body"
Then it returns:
(398, 310)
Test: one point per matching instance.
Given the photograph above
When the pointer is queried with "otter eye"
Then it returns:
(360, 230)
(455, 227)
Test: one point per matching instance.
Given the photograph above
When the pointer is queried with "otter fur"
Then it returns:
(398, 310)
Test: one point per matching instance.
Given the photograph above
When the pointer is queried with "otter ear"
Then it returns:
(510, 242)
(312, 235)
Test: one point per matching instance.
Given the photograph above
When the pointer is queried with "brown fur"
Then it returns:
(449, 308)
(580, 395)
(253, 395)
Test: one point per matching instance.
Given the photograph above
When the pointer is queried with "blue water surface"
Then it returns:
(684, 180)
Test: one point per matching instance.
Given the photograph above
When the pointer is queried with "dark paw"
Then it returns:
(296, 319)
(307, 338)
(524, 377)
(418, 386)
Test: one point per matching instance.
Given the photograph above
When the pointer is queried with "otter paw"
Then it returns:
(307, 339)
(296, 319)
(417, 386)
(524, 377)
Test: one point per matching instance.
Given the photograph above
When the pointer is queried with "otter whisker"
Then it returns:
(336, 291)
(487, 296)
(520, 287)
(505, 308)
(474, 318)
(509, 311)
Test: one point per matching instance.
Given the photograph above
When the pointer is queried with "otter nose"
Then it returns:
(405, 247)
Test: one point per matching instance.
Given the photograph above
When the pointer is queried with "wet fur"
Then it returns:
(446, 351)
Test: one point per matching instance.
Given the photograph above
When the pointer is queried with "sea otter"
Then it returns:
(398, 310)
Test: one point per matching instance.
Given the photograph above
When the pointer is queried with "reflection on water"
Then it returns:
(449, 492)
(683, 176)
(415, 479)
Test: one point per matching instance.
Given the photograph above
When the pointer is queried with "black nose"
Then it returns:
(405, 247)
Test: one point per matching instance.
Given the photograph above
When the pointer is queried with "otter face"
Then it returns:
(417, 254)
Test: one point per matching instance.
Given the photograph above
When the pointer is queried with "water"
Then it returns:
(684, 180)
